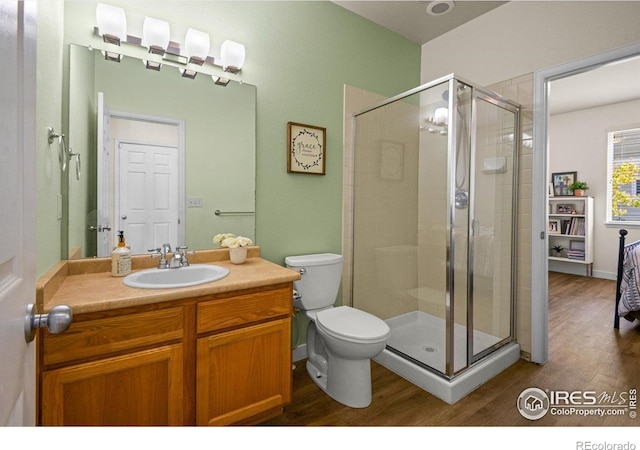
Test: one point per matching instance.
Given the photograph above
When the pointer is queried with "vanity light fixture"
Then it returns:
(112, 23)
(155, 35)
(196, 45)
(232, 55)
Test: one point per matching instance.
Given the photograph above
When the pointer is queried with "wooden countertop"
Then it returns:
(99, 291)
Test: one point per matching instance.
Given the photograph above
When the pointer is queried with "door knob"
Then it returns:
(57, 320)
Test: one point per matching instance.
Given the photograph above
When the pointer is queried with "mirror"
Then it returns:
(162, 155)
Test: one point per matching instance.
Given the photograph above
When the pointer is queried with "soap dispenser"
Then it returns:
(121, 258)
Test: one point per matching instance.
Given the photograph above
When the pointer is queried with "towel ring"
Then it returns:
(63, 156)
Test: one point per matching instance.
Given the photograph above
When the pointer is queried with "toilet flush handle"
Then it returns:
(302, 271)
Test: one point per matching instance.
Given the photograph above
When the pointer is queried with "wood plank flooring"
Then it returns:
(585, 353)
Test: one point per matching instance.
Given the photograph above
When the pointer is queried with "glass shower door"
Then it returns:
(492, 254)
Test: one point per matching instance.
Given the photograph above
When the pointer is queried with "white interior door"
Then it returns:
(104, 222)
(147, 199)
(17, 203)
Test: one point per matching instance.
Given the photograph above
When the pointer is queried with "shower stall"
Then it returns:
(434, 232)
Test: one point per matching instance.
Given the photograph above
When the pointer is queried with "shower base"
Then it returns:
(421, 336)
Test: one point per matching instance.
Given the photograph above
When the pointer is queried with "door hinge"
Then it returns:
(542, 235)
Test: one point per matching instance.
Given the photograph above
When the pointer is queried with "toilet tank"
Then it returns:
(319, 281)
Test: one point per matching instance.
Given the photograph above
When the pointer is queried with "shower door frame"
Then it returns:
(513, 107)
(496, 100)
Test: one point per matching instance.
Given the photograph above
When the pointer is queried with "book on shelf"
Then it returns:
(576, 254)
(574, 226)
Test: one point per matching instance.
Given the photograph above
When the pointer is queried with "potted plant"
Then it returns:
(237, 246)
(578, 188)
(557, 250)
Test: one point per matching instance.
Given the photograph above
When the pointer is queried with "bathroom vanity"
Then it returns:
(211, 354)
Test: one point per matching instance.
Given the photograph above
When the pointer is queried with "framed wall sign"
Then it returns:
(306, 149)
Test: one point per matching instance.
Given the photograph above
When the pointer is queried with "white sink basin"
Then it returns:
(175, 278)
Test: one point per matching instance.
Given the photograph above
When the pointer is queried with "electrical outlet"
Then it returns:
(194, 202)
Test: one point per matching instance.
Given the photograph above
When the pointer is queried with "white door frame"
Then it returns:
(181, 166)
(539, 238)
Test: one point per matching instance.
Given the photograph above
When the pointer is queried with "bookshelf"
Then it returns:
(571, 228)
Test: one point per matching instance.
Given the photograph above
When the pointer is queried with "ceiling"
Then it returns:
(411, 20)
(612, 83)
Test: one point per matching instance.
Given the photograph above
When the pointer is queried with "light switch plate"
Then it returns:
(194, 202)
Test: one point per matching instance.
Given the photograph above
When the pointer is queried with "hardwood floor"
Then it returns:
(585, 353)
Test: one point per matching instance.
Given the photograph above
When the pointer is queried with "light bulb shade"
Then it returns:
(187, 73)
(155, 35)
(196, 45)
(232, 56)
(220, 81)
(441, 116)
(112, 23)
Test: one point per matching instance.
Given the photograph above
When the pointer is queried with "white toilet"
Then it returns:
(340, 340)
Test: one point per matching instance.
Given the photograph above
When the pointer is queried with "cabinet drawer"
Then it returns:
(243, 309)
(100, 337)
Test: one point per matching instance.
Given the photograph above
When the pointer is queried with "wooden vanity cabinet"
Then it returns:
(213, 360)
(243, 367)
(122, 367)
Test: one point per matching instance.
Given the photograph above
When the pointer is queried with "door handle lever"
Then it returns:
(57, 320)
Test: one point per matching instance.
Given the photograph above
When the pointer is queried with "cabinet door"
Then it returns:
(141, 388)
(243, 373)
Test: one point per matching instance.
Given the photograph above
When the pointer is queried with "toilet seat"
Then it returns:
(350, 324)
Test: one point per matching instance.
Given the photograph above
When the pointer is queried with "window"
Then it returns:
(623, 176)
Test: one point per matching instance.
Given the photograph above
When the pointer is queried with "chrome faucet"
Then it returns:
(184, 261)
(161, 252)
(179, 258)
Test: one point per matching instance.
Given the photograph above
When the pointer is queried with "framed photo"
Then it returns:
(391, 161)
(561, 182)
(306, 149)
(554, 226)
(564, 209)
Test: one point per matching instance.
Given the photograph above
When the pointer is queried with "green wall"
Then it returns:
(48, 114)
(299, 56)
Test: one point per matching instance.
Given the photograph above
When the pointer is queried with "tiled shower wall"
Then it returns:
(520, 89)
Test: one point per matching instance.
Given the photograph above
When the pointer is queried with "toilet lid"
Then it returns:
(345, 322)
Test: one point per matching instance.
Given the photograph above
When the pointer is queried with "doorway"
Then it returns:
(539, 238)
(147, 181)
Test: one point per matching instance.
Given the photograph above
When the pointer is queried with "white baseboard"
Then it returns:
(579, 269)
